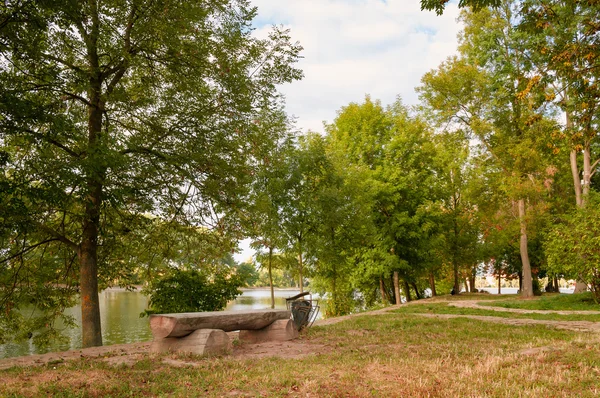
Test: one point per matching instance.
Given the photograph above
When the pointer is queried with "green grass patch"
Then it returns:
(556, 302)
(445, 308)
(392, 354)
(474, 296)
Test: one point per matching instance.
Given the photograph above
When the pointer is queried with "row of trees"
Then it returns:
(495, 166)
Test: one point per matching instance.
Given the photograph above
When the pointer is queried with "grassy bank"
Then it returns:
(397, 353)
(555, 302)
(445, 308)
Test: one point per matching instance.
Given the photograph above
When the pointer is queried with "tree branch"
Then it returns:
(29, 248)
(58, 236)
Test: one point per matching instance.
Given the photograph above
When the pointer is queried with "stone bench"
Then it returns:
(204, 333)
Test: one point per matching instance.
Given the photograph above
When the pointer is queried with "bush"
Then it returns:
(537, 290)
(572, 246)
(193, 291)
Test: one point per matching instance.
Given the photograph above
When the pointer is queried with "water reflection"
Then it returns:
(121, 323)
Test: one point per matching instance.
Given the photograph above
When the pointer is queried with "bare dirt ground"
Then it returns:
(475, 304)
(131, 353)
(579, 326)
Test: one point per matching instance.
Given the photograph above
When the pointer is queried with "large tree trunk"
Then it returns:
(95, 171)
(271, 277)
(88, 248)
(527, 290)
(397, 288)
(91, 330)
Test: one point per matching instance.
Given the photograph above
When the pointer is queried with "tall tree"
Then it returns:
(111, 109)
(566, 50)
(490, 94)
(267, 196)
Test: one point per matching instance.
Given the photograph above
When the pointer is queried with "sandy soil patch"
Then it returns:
(475, 304)
(578, 326)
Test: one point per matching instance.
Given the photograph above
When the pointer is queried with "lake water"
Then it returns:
(121, 323)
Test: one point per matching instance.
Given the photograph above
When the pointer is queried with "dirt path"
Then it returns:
(476, 305)
(579, 326)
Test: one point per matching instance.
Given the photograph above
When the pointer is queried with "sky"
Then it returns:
(354, 48)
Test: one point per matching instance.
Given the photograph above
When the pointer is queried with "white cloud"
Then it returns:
(358, 47)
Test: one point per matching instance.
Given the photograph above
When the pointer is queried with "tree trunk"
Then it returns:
(300, 277)
(555, 282)
(271, 277)
(581, 286)
(527, 290)
(580, 192)
(407, 291)
(397, 288)
(414, 285)
(336, 303)
(382, 290)
(499, 282)
(88, 249)
(432, 284)
(472, 281)
(456, 278)
(520, 281)
(587, 175)
(576, 178)
(91, 330)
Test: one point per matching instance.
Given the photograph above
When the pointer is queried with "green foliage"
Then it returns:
(282, 278)
(573, 245)
(183, 290)
(439, 5)
(537, 291)
(248, 274)
(116, 112)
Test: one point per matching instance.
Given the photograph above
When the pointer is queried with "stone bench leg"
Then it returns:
(280, 330)
(199, 342)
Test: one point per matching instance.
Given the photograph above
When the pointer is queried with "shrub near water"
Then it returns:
(193, 290)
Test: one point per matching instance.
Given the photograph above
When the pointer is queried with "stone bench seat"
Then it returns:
(205, 332)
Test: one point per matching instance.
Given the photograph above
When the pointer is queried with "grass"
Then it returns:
(444, 308)
(392, 354)
(556, 302)
(475, 296)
